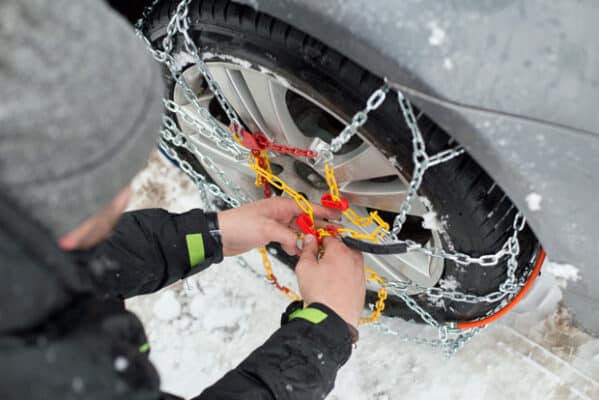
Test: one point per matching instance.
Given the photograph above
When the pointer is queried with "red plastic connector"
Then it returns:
(253, 141)
(306, 225)
(332, 229)
(342, 204)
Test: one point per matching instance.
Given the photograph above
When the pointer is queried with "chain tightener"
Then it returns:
(254, 147)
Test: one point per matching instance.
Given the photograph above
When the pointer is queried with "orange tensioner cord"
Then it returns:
(491, 318)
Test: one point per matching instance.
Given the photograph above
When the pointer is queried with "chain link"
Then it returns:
(359, 119)
(445, 156)
(420, 159)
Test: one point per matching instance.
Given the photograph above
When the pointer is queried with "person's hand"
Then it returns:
(259, 223)
(335, 280)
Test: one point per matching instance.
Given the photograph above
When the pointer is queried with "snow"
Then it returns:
(182, 60)
(430, 221)
(533, 201)
(449, 283)
(121, 363)
(437, 36)
(227, 311)
(448, 64)
(77, 384)
(167, 307)
(565, 272)
(235, 60)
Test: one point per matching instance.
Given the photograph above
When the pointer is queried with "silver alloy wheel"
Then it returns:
(259, 97)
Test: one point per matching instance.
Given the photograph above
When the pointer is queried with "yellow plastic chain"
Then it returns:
(378, 232)
(273, 279)
(381, 227)
(379, 306)
(278, 183)
(264, 156)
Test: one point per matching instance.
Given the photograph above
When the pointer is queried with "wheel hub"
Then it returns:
(309, 175)
(273, 106)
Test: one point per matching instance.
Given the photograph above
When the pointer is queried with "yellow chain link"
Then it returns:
(272, 277)
(263, 156)
(382, 296)
(381, 227)
(278, 183)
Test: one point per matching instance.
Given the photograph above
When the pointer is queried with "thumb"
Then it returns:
(309, 250)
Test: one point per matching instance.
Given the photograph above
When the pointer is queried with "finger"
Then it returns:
(334, 248)
(332, 243)
(282, 209)
(285, 236)
(329, 213)
(319, 223)
(309, 250)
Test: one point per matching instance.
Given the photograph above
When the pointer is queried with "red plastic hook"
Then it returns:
(327, 201)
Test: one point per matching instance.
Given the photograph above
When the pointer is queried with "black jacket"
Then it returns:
(64, 332)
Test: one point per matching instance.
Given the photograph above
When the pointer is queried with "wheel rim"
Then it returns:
(365, 176)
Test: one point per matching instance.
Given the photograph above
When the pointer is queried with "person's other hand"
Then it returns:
(335, 280)
(261, 222)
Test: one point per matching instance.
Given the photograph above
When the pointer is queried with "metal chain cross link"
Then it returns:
(449, 339)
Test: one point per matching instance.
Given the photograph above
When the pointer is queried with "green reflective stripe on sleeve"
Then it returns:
(195, 248)
(313, 315)
(144, 348)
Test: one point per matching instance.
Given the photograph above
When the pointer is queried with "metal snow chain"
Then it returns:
(449, 339)
(146, 12)
(177, 138)
(359, 119)
(207, 129)
(179, 23)
(395, 287)
(450, 342)
(445, 156)
(508, 287)
(172, 133)
(513, 244)
(420, 159)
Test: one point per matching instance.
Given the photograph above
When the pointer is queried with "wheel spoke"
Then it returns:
(386, 196)
(414, 267)
(193, 78)
(277, 123)
(209, 148)
(366, 162)
(237, 93)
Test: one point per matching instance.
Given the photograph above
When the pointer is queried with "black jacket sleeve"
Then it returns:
(299, 361)
(148, 250)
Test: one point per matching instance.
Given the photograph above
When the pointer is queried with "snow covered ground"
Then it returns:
(201, 328)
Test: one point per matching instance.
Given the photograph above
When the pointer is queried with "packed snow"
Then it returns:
(437, 34)
(448, 64)
(201, 328)
(533, 200)
(430, 221)
(565, 272)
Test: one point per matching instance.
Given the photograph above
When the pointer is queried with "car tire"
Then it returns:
(477, 214)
